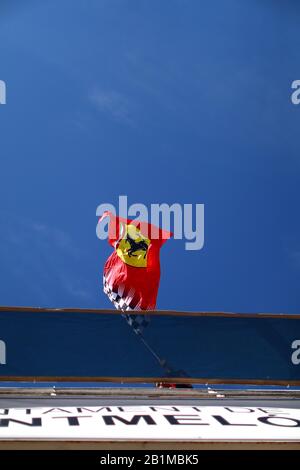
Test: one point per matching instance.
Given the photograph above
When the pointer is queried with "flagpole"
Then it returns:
(162, 362)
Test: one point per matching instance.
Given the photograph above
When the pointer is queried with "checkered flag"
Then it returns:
(125, 301)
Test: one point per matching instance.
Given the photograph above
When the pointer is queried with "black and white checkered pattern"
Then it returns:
(125, 303)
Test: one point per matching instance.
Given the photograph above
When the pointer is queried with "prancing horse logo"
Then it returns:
(136, 246)
(132, 246)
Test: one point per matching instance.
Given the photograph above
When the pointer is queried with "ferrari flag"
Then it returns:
(132, 272)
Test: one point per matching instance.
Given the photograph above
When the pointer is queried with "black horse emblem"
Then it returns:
(136, 246)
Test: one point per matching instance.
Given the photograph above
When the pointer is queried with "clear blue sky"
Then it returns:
(165, 101)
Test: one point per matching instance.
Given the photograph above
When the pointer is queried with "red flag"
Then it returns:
(132, 272)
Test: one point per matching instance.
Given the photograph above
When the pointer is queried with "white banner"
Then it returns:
(151, 423)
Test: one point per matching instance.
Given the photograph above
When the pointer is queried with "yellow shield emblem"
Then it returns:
(133, 246)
